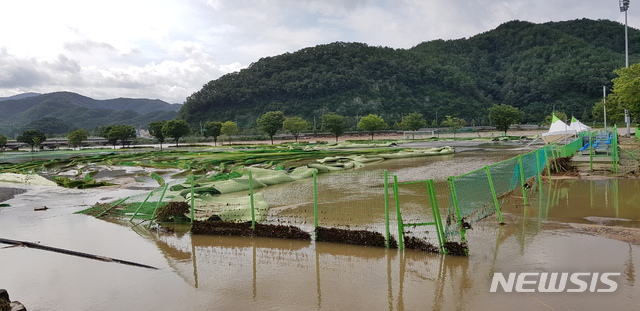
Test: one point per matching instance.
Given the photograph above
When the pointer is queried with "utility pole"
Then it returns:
(624, 7)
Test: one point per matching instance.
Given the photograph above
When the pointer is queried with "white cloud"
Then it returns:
(169, 49)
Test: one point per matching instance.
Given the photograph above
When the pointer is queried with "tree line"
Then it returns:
(270, 123)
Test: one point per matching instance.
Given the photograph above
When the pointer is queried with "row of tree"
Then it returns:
(502, 116)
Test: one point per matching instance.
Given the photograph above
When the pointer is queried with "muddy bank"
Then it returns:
(9, 193)
(627, 235)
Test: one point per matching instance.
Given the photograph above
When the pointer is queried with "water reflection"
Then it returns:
(281, 274)
(589, 201)
(234, 273)
(334, 275)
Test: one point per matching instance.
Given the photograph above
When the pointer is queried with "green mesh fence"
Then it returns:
(468, 198)
(419, 221)
(143, 206)
(475, 199)
(426, 215)
(351, 200)
(570, 148)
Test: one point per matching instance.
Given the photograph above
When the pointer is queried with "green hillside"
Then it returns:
(71, 110)
(536, 67)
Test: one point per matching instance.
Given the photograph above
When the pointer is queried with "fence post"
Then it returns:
(456, 205)
(548, 162)
(315, 202)
(386, 210)
(253, 210)
(141, 204)
(435, 209)
(538, 169)
(590, 153)
(158, 204)
(524, 190)
(193, 206)
(494, 195)
(398, 214)
(614, 152)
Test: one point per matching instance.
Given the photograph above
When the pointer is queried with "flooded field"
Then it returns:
(559, 231)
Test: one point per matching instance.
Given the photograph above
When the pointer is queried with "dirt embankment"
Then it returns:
(627, 235)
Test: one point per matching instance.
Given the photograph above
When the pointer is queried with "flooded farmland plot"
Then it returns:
(568, 226)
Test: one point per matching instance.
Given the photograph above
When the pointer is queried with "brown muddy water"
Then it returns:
(235, 273)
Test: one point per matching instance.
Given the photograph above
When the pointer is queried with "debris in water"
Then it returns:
(174, 211)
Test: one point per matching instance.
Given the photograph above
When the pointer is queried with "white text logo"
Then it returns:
(555, 282)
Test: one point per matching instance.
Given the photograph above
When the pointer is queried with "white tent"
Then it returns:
(558, 131)
(578, 126)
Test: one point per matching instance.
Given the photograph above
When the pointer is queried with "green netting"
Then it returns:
(570, 148)
(530, 165)
(418, 220)
(352, 200)
(475, 199)
(505, 176)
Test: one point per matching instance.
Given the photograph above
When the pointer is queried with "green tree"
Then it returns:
(176, 129)
(295, 126)
(335, 124)
(32, 138)
(213, 129)
(229, 128)
(372, 123)
(626, 93)
(454, 123)
(120, 132)
(413, 122)
(3, 141)
(155, 130)
(271, 122)
(104, 132)
(76, 137)
(615, 110)
(502, 116)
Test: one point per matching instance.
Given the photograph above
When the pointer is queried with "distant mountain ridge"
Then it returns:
(20, 96)
(81, 111)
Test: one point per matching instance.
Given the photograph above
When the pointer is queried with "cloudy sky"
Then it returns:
(168, 49)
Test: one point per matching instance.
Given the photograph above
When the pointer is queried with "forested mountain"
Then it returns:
(535, 67)
(73, 110)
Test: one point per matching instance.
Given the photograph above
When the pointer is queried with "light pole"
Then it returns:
(624, 7)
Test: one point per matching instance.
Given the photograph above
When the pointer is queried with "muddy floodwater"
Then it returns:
(558, 231)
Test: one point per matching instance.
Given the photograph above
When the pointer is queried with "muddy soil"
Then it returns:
(627, 235)
(244, 229)
(457, 249)
(353, 237)
(420, 245)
